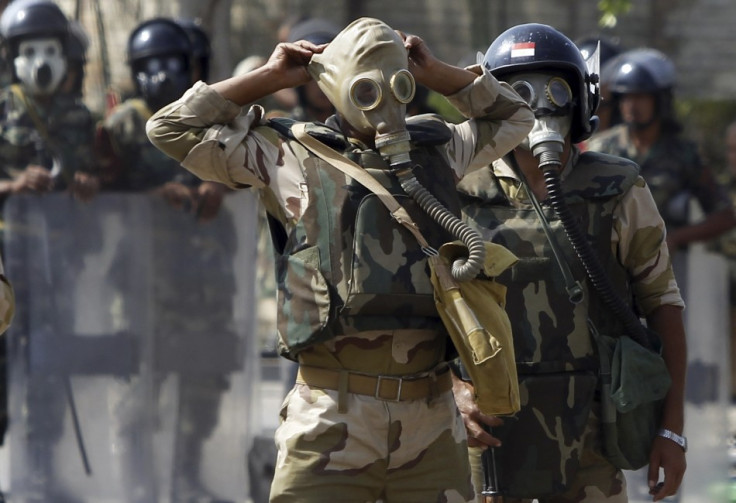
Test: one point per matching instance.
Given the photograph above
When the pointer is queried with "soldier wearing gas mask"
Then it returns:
(371, 415)
(551, 449)
(46, 135)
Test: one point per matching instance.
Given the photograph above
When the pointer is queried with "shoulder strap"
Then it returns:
(32, 112)
(354, 171)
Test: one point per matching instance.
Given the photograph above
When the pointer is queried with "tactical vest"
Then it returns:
(550, 332)
(347, 262)
(555, 353)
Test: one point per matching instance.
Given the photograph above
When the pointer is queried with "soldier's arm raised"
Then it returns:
(287, 67)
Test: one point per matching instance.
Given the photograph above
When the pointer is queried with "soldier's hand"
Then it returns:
(85, 186)
(177, 195)
(421, 59)
(33, 179)
(290, 61)
(209, 200)
(473, 418)
(670, 457)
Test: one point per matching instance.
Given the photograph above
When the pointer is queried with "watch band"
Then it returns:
(678, 439)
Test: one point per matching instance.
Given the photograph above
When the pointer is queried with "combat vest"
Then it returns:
(555, 353)
(347, 262)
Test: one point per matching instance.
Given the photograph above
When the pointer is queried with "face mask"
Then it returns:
(550, 97)
(40, 65)
(363, 72)
(161, 80)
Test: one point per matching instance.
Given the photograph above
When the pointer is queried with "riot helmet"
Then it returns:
(529, 48)
(644, 71)
(37, 34)
(201, 50)
(159, 55)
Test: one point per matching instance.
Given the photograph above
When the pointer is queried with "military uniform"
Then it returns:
(673, 170)
(355, 300)
(553, 445)
(56, 135)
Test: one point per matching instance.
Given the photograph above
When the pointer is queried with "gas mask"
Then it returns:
(40, 65)
(550, 97)
(162, 79)
(363, 72)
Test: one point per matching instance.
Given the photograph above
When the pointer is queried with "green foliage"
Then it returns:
(610, 10)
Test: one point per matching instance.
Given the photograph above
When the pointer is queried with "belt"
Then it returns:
(382, 387)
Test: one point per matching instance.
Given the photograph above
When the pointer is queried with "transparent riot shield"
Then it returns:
(131, 366)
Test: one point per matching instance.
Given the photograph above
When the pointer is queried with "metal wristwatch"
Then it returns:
(678, 439)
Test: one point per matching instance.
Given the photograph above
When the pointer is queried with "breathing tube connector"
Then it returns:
(462, 269)
(549, 163)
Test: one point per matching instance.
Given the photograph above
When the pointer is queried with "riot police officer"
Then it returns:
(162, 55)
(642, 84)
(551, 450)
(55, 150)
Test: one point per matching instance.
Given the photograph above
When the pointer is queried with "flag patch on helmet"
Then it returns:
(522, 50)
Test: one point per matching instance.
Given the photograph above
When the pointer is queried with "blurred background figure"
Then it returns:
(201, 50)
(167, 56)
(641, 82)
(312, 104)
(46, 135)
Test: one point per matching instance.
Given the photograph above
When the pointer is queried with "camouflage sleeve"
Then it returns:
(215, 139)
(499, 121)
(639, 242)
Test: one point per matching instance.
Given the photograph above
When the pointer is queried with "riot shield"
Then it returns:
(131, 361)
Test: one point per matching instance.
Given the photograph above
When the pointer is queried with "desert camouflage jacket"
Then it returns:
(345, 266)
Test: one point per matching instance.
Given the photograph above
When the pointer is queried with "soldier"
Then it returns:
(371, 415)
(46, 134)
(641, 82)
(165, 56)
(551, 449)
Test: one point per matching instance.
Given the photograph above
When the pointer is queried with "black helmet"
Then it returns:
(33, 19)
(640, 71)
(201, 50)
(158, 37)
(528, 47)
(160, 59)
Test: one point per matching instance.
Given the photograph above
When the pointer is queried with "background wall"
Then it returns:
(697, 34)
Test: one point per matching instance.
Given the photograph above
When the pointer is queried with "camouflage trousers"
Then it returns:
(378, 451)
(596, 480)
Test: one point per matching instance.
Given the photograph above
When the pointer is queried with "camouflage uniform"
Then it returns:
(355, 298)
(553, 445)
(673, 170)
(62, 135)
